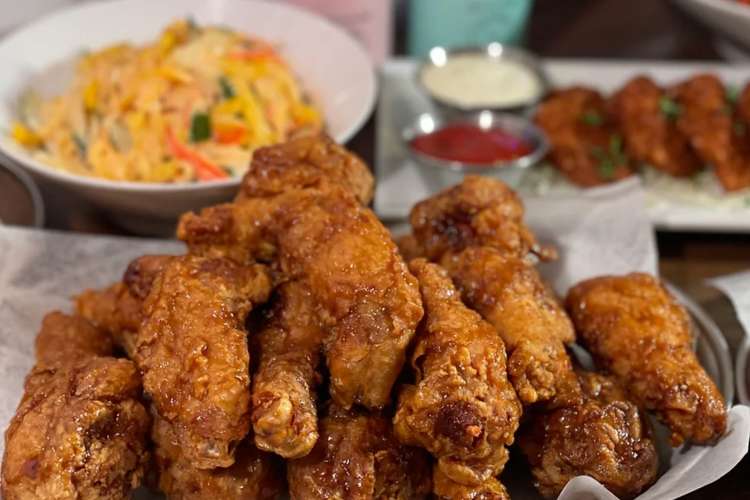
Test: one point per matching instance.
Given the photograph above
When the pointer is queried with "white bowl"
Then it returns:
(727, 18)
(331, 65)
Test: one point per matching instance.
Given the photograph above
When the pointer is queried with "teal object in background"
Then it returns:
(462, 23)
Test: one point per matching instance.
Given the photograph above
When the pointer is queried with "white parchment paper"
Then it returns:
(604, 231)
(737, 288)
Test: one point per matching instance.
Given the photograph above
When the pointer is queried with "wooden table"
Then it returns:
(642, 29)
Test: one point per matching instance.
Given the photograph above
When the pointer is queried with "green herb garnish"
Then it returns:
(592, 118)
(227, 91)
(200, 127)
(739, 128)
(80, 145)
(669, 108)
(732, 94)
(609, 159)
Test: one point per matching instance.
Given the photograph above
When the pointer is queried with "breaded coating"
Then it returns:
(462, 408)
(289, 346)
(604, 436)
(255, 475)
(647, 119)
(118, 308)
(717, 132)
(637, 331)
(64, 338)
(479, 211)
(318, 231)
(358, 458)
(192, 351)
(511, 296)
(79, 432)
(409, 247)
(585, 145)
(444, 488)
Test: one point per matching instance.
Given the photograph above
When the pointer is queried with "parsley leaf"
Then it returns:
(669, 108)
(200, 127)
(227, 91)
(592, 118)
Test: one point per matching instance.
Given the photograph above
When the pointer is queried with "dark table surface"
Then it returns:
(636, 29)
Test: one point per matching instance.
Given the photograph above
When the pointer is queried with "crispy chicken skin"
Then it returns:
(192, 351)
(511, 296)
(319, 232)
(717, 133)
(255, 475)
(79, 430)
(462, 407)
(479, 211)
(604, 436)
(639, 333)
(358, 458)
(650, 135)
(444, 488)
(584, 141)
(118, 308)
(289, 347)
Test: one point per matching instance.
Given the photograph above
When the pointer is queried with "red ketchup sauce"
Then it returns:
(469, 143)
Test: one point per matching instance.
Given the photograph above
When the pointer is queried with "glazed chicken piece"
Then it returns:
(358, 458)
(255, 475)
(289, 346)
(79, 430)
(647, 119)
(604, 436)
(637, 331)
(585, 145)
(716, 131)
(462, 408)
(511, 296)
(444, 488)
(192, 351)
(305, 217)
(480, 211)
(409, 247)
(118, 308)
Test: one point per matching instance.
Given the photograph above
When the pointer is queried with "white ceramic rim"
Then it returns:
(61, 176)
(729, 7)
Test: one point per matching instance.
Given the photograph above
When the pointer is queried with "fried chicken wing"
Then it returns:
(289, 345)
(462, 407)
(80, 430)
(357, 457)
(585, 146)
(511, 296)
(478, 212)
(192, 351)
(604, 436)
(638, 332)
(444, 488)
(318, 231)
(708, 119)
(647, 122)
(118, 308)
(255, 475)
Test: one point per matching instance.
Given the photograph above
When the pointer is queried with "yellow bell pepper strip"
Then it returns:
(204, 169)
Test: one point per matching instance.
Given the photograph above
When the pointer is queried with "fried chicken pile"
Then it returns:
(677, 130)
(271, 357)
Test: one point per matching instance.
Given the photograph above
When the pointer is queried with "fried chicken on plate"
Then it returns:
(489, 489)
(585, 145)
(300, 210)
(647, 119)
(192, 350)
(358, 458)
(462, 407)
(637, 331)
(604, 436)
(79, 430)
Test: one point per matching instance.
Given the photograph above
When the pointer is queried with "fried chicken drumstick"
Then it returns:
(358, 458)
(300, 210)
(80, 430)
(604, 436)
(638, 332)
(192, 350)
(462, 408)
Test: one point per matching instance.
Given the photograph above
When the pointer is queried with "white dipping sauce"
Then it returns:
(475, 81)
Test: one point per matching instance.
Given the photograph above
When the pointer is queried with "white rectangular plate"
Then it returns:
(673, 205)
